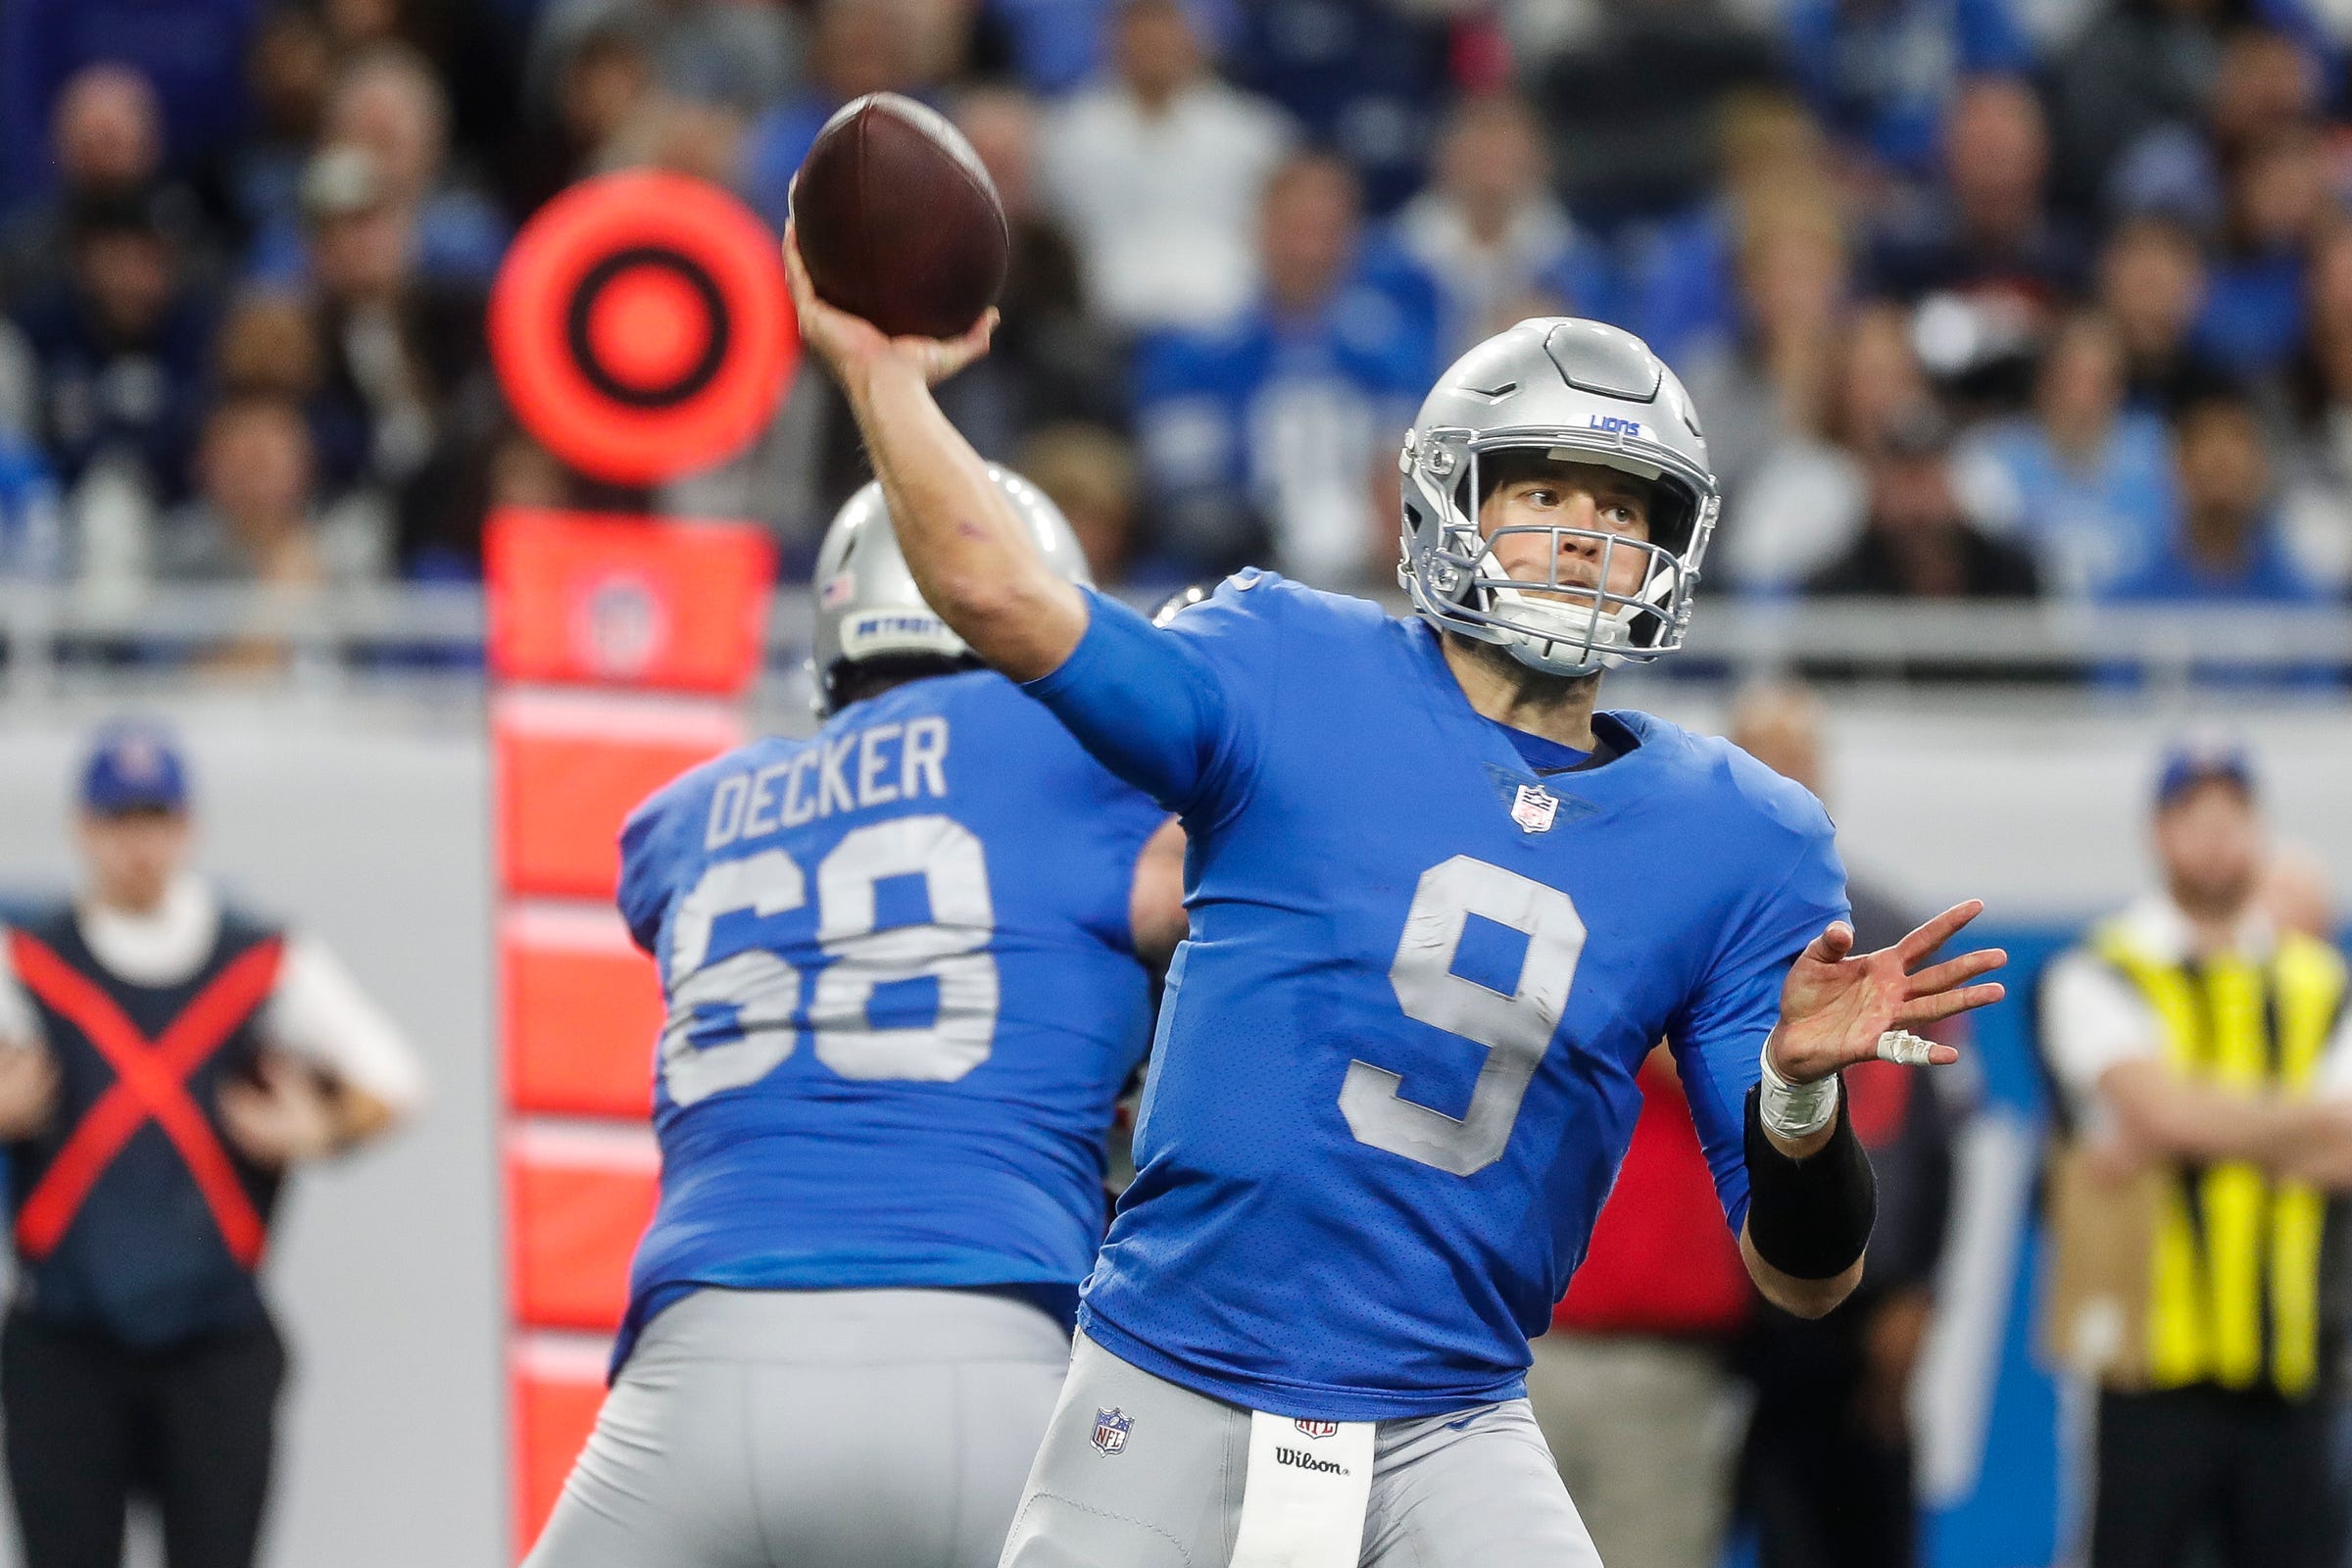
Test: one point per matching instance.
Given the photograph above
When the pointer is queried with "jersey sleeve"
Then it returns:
(1718, 1036)
(1178, 712)
(646, 864)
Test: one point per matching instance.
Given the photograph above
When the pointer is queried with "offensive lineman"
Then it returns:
(1440, 909)
(905, 962)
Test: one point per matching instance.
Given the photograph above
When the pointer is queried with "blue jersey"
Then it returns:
(1396, 1067)
(903, 995)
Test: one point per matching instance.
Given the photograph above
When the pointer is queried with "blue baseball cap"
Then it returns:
(134, 766)
(2189, 763)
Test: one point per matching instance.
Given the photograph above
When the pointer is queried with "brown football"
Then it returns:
(897, 221)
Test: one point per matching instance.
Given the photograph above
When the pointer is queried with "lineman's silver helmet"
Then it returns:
(867, 606)
(1583, 392)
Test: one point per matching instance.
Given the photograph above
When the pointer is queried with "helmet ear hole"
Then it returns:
(1677, 515)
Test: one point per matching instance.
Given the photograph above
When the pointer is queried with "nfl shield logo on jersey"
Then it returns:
(1534, 807)
(1318, 1428)
(1110, 1430)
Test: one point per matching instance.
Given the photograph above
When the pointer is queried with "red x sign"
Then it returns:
(150, 1085)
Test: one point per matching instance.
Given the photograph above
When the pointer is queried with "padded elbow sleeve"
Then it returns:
(1809, 1218)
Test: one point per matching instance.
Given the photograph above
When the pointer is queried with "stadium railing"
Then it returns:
(340, 637)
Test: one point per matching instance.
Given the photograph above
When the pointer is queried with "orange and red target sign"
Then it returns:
(641, 327)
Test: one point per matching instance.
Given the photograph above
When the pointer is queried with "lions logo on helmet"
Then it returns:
(868, 608)
(1575, 391)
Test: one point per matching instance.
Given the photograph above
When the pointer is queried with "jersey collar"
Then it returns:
(1616, 739)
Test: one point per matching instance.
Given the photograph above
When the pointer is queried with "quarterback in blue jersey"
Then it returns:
(1440, 911)
(905, 962)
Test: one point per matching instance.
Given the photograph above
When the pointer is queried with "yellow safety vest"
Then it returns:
(2230, 1242)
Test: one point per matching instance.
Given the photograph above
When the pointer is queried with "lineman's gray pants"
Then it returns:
(814, 1429)
(1473, 1489)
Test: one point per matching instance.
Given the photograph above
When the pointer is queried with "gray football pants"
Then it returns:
(814, 1429)
(1473, 1489)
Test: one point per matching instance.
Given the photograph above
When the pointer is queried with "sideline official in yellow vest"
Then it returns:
(2202, 1063)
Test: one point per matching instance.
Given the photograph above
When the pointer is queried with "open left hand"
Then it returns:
(1836, 1003)
(285, 1119)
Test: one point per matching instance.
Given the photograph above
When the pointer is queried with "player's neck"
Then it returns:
(1500, 688)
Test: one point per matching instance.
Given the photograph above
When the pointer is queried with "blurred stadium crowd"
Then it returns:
(1979, 298)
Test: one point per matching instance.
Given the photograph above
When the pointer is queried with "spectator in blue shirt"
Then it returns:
(120, 351)
(2084, 480)
(402, 403)
(108, 139)
(1366, 79)
(1059, 45)
(1987, 234)
(2143, 64)
(191, 51)
(2252, 319)
(389, 102)
(1487, 244)
(2227, 548)
(860, 46)
(1274, 436)
(2152, 287)
(1684, 290)
(292, 71)
(1882, 74)
(2315, 458)
(2265, 82)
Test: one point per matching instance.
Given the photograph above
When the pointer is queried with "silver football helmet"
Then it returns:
(1582, 392)
(867, 606)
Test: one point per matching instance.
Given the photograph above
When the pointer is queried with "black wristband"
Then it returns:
(1809, 1218)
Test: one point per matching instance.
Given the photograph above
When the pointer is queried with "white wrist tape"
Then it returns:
(1795, 1110)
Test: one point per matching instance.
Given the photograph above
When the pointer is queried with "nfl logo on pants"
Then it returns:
(1110, 1430)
